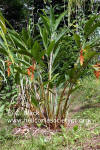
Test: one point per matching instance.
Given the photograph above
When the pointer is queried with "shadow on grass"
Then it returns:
(87, 106)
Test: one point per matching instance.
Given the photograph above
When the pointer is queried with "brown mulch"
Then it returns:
(31, 130)
(89, 144)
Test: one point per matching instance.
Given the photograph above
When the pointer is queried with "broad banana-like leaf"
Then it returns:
(91, 25)
(92, 29)
(77, 40)
(89, 55)
(35, 51)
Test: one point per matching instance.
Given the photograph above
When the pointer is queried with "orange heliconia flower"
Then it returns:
(32, 76)
(8, 71)
(97, 74)
(8, 65)
(30, 71)
(81, 56)
(97, 70)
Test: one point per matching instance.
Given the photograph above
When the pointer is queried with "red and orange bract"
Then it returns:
(30, 70)
(97, 72)
(8, 65)
(81, 56)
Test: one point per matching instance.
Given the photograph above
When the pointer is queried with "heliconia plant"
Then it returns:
(32, 62)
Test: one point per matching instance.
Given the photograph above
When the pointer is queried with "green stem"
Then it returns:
(61, 98)
(49, 94)
(66, 102)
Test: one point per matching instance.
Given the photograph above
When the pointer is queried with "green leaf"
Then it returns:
(44, 36)
(7, 47)
(91, 25)
(93, 43)
(59, 36)
(54, 77)
(3, 51)
(17, 78)
(24, 62)
(36, 50)
(2, 24)
(17, 39)
(25, 34)
(55, 54)
(23, 52)
(50, 48)
(90, 55)
(57, 22)
(41, 32)
(92, 29)
(46, 22)
(30, 42)
(52, 17)
(75, 128)
(77, 40)
(19, 70)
